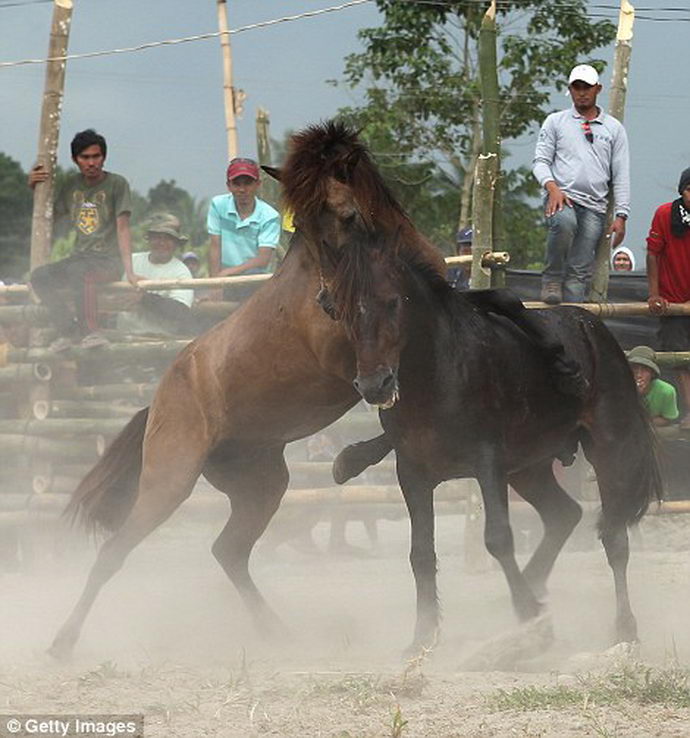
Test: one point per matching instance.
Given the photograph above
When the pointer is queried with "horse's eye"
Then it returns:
(393, 305)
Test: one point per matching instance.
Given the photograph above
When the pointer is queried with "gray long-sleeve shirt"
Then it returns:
(584, 170)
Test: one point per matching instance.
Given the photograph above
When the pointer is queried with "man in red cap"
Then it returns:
(244, 229)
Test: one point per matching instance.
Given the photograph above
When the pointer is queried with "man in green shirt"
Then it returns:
(659, 397)
(97, 205)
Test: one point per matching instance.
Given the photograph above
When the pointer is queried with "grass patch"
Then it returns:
(635, 682)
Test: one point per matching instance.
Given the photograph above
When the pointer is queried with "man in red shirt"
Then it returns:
(668, 275)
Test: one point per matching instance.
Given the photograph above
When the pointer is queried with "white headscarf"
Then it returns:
(625, 250)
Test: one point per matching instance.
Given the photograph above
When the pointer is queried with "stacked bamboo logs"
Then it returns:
(62, 424)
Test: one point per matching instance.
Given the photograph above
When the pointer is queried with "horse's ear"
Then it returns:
(273, 172)
(351, 161)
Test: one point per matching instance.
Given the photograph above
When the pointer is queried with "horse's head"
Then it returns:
(369, 298)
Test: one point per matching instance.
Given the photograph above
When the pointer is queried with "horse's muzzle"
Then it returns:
(379, 388)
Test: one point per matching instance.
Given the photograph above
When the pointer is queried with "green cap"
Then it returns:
(645, 356)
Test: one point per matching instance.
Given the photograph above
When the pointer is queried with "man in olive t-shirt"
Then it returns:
(97, 205)
(659, 397)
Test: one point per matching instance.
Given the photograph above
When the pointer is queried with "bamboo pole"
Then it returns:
(228, 88)
(125, 391)
(193, 284)
(270, 190)
(42, 217)
(491, 116)
(15, 374)
(60, 427)
(482, 237)
(72, 449)
(111, 353)
(619, 86)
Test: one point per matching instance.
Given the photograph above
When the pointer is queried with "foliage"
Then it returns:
(16, 204)
(419, 72)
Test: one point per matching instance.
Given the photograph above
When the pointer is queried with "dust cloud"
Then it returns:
(170, 637)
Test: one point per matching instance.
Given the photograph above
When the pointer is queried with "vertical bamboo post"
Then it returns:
(228, 88)
(485, 177)
(269, 187)
(42, 217)
(491, 140)
(619, 87)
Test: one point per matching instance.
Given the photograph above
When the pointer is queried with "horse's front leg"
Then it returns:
(418, 492)
(498, 535)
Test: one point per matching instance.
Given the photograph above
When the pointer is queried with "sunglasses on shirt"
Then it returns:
(588, 131)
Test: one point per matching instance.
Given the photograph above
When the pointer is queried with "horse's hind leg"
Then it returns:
(615, 480)
(163, 486)
(255, 489)
(498, 536)
(559, 514)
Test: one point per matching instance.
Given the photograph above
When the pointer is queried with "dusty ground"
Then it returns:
(169, 638)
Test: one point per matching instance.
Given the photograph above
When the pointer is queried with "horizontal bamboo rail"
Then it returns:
(616, 309)
(61, 449)
(130, 391)
(15, 374)
(497, 259)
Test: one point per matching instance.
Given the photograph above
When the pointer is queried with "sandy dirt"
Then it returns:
(169, 638)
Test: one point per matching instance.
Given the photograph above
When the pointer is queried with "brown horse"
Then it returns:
(277, 370)
(477, 399)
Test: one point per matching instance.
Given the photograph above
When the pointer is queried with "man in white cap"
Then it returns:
(580, 152)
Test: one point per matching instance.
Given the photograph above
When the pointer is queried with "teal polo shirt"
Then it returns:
(240, 239)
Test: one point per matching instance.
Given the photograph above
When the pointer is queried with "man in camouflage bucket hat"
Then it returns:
(161, 311)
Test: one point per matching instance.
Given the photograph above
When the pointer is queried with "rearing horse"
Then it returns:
(277, 370)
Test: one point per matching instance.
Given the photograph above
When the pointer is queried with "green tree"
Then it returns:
(16, 205)
(419, 72)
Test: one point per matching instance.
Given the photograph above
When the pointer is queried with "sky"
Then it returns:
(161, 110)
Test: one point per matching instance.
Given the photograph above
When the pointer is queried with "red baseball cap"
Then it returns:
(243, 167)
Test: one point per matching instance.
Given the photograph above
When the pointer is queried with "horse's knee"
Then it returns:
(499, 541)
(615, 542)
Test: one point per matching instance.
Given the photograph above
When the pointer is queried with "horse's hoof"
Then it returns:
(529, 609)
(61, 650)
(341, 472)
(626, 630)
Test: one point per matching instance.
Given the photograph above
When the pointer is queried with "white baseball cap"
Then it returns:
(584, 73)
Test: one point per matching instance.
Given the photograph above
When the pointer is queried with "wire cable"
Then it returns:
(187, 39)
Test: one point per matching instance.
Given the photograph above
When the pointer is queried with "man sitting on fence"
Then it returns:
(244, 229)
(161, 311)
(97, 205)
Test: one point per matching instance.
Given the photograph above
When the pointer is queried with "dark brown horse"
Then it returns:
(277, 370)
(477, 400)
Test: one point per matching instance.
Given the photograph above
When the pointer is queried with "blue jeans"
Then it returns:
(570, 248)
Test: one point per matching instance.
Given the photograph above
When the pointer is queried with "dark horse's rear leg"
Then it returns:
(255, 485)
(497, 533)
(559, 514)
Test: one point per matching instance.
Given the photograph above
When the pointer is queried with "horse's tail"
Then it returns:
(106, 494)
(640, 451)
(636, 445)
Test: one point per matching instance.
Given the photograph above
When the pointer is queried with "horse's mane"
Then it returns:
(328, 150)
(354, 280)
